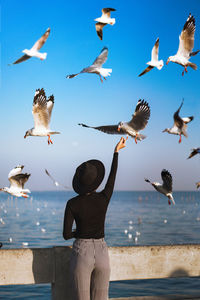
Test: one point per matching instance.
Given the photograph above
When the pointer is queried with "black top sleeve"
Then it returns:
(108, 190)
(68, 223)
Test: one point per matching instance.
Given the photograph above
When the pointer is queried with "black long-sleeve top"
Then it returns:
(89, 211)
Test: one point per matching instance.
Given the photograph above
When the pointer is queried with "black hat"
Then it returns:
(88, 176)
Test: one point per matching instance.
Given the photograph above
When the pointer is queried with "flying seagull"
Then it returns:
(42, 109)
(186, 45)
(180, 124)
(34, 51)
(54, 181)
(154, 59)
(197, 184)
(194, 152)
(138, 122)
(96, 67)
(17, 181)
(166, 187)
(104, 20)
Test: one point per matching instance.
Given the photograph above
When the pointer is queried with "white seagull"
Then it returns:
(104, 20)
(180, 124)
(166, 187)
(34, 51)
(54, 181)
(42, 109)
(194, 152)
(186, 45)
(17, 181)
(154, 59)
(138, 122)
(96, 67)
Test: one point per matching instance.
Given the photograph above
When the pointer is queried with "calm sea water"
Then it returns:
(146, 216)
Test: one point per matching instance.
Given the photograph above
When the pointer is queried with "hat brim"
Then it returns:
(81, 188)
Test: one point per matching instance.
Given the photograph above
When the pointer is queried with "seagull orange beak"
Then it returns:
(118, 129)
(24, 136)
(167, 62)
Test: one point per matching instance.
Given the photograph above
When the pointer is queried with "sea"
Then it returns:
(133, 218)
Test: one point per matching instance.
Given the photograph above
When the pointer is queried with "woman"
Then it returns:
(90, 262)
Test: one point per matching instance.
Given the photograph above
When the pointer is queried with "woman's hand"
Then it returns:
(121, 144)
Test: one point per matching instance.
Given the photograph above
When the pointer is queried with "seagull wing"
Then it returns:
(106, 11)
(17, 170)
(110, 129)
(21, 59)
(178, 121)
(19, 180)
(50, 105)
(40, 111)
(167, 180)
(99, 29)
(186, 38)
(149, 68)
(194, 152)
(141, 115)
(38, 45)
(54, 181)
(101, 59)
(154, 52)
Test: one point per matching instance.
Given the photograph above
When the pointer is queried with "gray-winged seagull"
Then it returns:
(55, 181)
(180, 124)
(138, 122)
(194, 152)
(42, 109)
(166, 187)
(96, 67)
(17, 181)
(186, 45)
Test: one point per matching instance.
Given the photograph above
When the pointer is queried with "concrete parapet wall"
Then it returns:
(51, 265)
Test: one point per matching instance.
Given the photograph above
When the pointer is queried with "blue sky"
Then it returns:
(72, 45)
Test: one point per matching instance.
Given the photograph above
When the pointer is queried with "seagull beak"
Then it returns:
(25, 136)
(118, 129)
(167, 62)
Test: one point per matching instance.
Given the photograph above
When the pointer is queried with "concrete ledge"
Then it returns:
(51, 265)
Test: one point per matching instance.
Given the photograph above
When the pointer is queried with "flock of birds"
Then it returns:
(43, 106)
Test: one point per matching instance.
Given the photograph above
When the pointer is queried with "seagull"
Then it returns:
(96, 67)
(42, 109)
(180, 124)
(154, 59)
(17, 181)
(138, 122)
(194, 152)
(166, 187)
(197, 184)
(34, 51)
(104, 20)
(186, 45)
(54, 181)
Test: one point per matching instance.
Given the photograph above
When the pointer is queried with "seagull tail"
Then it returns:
(192, 65)
(141, 137)
(194, 53)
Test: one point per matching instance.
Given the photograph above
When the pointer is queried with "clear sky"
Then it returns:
(72, 45)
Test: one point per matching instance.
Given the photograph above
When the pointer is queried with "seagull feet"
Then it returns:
(25, 196)
(105, 78)
(185, 70)
(49, 140)
(101, 79)
(136, 138)
(169, 202)
(179, 139)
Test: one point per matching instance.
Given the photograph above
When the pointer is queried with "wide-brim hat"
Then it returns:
(88, 176)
